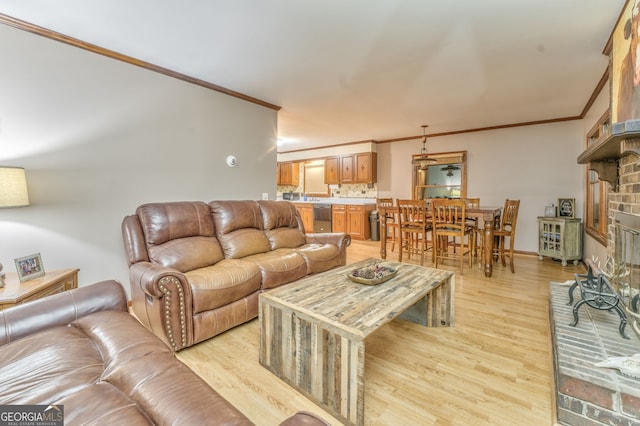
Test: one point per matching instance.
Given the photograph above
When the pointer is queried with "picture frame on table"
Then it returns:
(567, 207)
(29, 267)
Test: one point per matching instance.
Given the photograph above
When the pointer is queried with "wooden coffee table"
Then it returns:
(313, 331)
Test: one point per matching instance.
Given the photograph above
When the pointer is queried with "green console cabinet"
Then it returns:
(560, 238)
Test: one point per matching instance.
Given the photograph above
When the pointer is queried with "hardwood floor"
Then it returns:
(493, 367)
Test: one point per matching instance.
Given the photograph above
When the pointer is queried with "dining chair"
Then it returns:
(414, 228)
(471, 203)
(449, 221)
(390, 219)
(506, 230)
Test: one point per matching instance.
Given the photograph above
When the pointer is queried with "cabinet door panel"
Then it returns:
(332, 170)
(306, 214)
(366, 165)
(338, 219)
(346, 169)
(355, 226)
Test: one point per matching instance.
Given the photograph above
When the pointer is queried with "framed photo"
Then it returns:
(29, 267)
(566, 207)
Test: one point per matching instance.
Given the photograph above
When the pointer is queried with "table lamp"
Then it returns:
(13, 193)
(13, 187)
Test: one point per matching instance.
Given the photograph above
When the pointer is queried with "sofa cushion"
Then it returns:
(186, 254)
(213, 322)
(45, 367)
(180, 235)
(225, 282)
(281, 224)
(238, 226)
(162, 222)
(279, 267)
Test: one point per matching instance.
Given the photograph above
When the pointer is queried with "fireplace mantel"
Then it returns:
(601, 156)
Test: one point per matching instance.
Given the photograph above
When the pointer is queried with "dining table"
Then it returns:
(486, 216)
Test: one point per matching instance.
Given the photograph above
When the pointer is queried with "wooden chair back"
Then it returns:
(414, 227)
(449, 221)
(472, 203)
(507, 230)
(388, 220)
(510, 216)
(448, 215)
(413, 213)
(384, 202)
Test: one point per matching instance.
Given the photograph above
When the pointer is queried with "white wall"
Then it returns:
(535, 164)
(99, 137)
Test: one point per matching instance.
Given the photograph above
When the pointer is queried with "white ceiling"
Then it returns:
(353, 70)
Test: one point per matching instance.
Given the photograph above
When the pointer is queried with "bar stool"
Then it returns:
(414, 226)
(507, 230)
(390, 219)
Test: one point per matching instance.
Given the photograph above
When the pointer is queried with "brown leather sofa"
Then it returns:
(197, 269)
(81, 349)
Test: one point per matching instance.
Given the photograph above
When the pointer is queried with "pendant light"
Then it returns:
(422, 160)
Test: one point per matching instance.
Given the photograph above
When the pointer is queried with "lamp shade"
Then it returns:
(13, 187)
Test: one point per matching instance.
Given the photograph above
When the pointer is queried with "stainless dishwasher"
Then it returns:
(322, 218)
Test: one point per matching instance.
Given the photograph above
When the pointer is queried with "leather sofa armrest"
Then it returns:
(60, 309)
(162, 301)
(339, 239)
(147, 277)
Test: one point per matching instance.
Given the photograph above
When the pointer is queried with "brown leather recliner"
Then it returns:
(197, 269)
(81, 349)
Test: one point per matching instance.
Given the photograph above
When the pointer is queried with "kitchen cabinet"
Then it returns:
(346, 169)
(354, 168)
(332, 170)
(353, 220)
(358, 221)
(560, 238)
(339, 218)
(366, 167)
(306, 214)
(288, 173)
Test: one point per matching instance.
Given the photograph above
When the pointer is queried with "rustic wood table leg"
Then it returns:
(323, 364)
(488, 247)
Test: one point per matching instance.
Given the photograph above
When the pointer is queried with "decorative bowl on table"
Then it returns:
(372, 274)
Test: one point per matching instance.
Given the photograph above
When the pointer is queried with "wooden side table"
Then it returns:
(14, 292)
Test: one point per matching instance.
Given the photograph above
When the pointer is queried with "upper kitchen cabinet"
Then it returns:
(288, 173)
(366, 167)
(353, 168)
(332, 170)
(347, 174)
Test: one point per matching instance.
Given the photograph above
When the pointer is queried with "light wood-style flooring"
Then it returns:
(493, 367)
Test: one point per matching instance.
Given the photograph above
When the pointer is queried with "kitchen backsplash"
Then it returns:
(358, 190)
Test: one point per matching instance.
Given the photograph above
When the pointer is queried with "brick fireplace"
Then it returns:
(586, 394)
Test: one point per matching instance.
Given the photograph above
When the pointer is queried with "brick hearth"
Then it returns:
(585, 394)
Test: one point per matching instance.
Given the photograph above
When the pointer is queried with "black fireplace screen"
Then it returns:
(625, 270)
